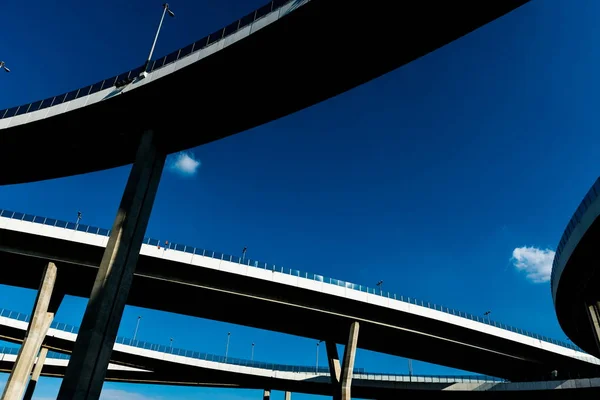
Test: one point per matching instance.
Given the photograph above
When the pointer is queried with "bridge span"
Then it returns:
(305, 304)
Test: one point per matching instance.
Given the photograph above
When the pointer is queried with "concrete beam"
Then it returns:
(35, 376)
(267, 395)
(349, 357)
(91, 354)
(36, 332)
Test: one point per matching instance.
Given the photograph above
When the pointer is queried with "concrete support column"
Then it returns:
(288, 395)
(91, 354)
(593, 311)
(34, 337)
(348, 366)
(267, 394)
(334, 363)
(35, 376)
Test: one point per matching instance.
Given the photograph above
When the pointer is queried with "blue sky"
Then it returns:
(431, 177)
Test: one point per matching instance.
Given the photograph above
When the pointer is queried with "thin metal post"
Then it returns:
(165, 9)
(227, 346)
(137, 325)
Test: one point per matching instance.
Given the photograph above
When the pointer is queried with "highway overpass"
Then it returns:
(136, 361)
(252, 293)
(575, 279)
(234, 372)
(278, 59)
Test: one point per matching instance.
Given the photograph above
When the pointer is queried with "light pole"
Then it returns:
(3, 66)
(166, 9)
(137, 325)
(227, 346)
(317, 363)
(244, 254)
(410, 371)
(78, 217)
(380, 286)
(487, 313)
(252, 355)
(171, 345)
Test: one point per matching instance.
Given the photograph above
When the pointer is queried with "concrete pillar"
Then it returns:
(348, 366)
(267, 394)
(87, 367)
(334, 363)
(288, 395)
(35, 376)
(593, 312)
(34, 337)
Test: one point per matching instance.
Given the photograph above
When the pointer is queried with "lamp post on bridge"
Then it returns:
(380, 286)
(166, 10)
(227, 346)
(137, 325)
(487, 314)
(3, 66)
(252, 354)
(317, 363)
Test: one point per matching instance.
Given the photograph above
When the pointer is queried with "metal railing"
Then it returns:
(158, 63)
(589, 198)
(306, 275)
(168, 349)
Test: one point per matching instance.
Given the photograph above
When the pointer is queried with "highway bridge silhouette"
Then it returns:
(294, 54)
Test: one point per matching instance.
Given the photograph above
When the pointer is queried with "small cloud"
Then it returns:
(536, 263)
(184, 163)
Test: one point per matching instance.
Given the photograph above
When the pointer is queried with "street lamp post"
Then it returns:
(227, 346)
(317, 362)
(3, 66)
(487, 314)
(137, 325)
(78, 217)
(171, 344)
(166, 9)
(252, 355)
(380, 286)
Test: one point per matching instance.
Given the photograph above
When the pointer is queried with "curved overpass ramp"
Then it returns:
(234, 373)
(305, 304)
(283, 57)
(575, 279)
(143, 362)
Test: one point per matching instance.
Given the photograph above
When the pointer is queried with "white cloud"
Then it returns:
(536, 263)
(116, 394)
(184, 163)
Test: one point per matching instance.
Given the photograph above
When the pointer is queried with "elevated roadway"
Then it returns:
(238, 375)
(281, 58)
(137, 361)
(279, 299)
(575, 279)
